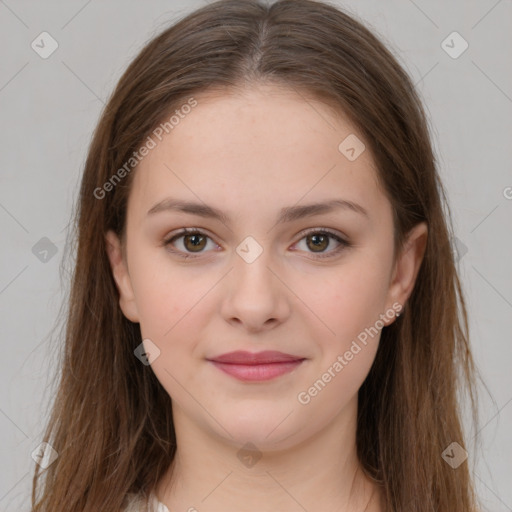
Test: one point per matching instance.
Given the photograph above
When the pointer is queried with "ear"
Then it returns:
(407, 266)
(121, 277)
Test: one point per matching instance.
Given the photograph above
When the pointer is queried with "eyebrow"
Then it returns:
(288, 214)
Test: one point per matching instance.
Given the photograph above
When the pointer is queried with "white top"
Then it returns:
(136, 504)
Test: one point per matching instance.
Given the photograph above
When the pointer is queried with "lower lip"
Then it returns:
(257, 372)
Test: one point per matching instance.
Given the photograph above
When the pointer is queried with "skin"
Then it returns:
(250, 153)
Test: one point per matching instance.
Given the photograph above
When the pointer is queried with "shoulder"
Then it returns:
(139, 503)
(133, 503)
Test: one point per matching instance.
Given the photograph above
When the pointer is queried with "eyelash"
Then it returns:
(322, 231)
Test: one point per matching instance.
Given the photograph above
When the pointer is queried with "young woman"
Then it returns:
(265, 311)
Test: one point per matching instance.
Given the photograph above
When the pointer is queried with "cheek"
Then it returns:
(173, 311)
(169, 299)
(348, 298)
(349, 302)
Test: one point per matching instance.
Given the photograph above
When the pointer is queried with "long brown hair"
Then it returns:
(111, 421)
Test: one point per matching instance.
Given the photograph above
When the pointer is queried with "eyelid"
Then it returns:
(341, 239)
(329, 231)
(167, 241)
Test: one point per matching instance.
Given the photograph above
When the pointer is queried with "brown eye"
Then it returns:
(320, 243)
(317, 242)
(188, 242)
(195, 242)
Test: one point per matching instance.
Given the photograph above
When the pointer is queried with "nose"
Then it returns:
(254, 297)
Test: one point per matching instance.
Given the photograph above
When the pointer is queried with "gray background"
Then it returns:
(50, 107)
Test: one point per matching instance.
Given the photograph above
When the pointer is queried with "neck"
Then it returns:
(210, 473)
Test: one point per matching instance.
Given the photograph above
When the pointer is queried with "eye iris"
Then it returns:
(320, 242)
(198, 242)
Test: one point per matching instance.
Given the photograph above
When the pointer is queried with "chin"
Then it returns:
(267, 430)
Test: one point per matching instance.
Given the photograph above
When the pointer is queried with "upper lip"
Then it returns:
(253, 358)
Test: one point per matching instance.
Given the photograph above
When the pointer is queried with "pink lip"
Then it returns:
(259, 366)
(265, 357)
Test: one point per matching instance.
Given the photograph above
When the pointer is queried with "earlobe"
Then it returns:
(408, 264)
(121, 276)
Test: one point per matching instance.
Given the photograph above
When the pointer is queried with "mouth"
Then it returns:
(261, 366)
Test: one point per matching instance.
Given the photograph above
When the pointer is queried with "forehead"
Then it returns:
(257, 146)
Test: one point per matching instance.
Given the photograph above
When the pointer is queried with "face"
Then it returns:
(261, 268)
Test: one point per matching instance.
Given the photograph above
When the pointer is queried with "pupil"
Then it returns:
(319, 241)
(196, 241)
